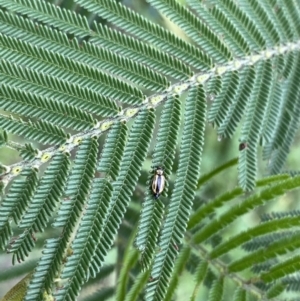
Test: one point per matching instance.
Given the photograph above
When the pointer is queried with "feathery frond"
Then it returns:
(68, 77)
(163, 156)
(183, 194)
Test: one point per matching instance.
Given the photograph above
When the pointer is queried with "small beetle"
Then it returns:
(158, 182)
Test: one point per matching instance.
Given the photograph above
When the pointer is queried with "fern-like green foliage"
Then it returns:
(69, 79)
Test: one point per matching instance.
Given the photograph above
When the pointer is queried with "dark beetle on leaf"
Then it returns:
(158, 182)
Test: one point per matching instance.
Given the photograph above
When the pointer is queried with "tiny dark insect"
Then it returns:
(158, 182)
(242, 146)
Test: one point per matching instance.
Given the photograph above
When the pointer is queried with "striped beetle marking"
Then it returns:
(158, 182)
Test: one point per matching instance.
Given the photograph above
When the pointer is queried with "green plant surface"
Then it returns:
(99, 96)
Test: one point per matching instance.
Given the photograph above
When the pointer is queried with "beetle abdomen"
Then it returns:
(158, 185)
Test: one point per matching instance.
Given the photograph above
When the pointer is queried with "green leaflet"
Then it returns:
(88, 232)
(247, 27)
(30, 105)
(76, 72)
(78, 186)
(249, 203)
(178, 210)
(88, 53)
(42, 131)
(41, 206)
(261, 229)
(275, 290)
(195, 29)
(206, 177)
(217, 202)
(279, 270)
(61, 18)
(252, 127)
(278, 247)
(163, 155)
(130, 259)
(138, 286)
(147, 31)
(134, 152)
(141, 51)
(113, 151)
(15, 203)
(181, 261)
(66, 81)
(57, 89)
(224, 99)
(288, 123)
(237, 108)
(239, 295)
(199, 277)
(216, 291)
